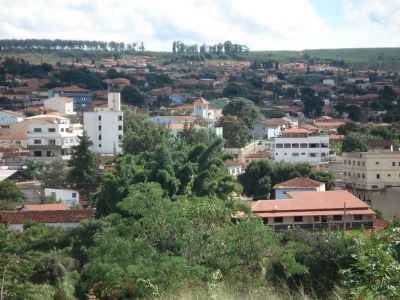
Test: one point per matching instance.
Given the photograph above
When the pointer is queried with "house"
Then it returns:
(105, 126)
(8, 117)
(204, 110)
(235, 167)
(315, 211)
(82, 97)
(66, 196)
(65, 219)
(63, 105)
(297, 145)
(298, 184)
(51, 137)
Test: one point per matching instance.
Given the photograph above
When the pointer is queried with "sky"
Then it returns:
(260, 24)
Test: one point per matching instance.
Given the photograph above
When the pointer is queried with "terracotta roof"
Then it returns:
(71, 89)
(296, 131)
(275, 122)
(44, 207)
(298, 182)
(58, 216)
(312, 203)
(200, 100)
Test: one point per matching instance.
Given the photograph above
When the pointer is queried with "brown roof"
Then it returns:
(50, 216)
(298, 182)
(70, 89)
(200, 100)
(44, 207)
(275, 122)
(312, 203)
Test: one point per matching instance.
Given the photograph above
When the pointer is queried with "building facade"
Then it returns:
(82, 98)
(105, 127)
(66, 196)
(51, 137)
(301, 148)
(63, 105)
(372, 170)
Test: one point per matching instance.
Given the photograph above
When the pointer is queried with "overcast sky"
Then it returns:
(260, 24)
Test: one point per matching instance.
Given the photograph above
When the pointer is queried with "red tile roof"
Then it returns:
(312, 203)
(50, 216)
(298, 182)
(44, 207)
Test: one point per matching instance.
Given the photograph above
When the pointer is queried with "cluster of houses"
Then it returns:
(45, 124)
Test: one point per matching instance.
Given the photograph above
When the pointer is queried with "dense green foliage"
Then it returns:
(10, 195)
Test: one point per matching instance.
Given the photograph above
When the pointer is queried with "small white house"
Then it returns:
(63, 105)
(69, 197)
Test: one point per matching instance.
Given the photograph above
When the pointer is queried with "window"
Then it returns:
(303, 145)
(99, 127)
(313, 154)
(286, 146)
(99, 118)
(265, 220)
(120, 118)
(345, 173)
(37, 129)
(52, 130)
(295, 145)
(378, 176)
(337, 218)
(316, 219)
(295, 154)
(358, 163)
(324, 219)
(358, 217)
(303, 153)
(49, 154)
(314, 145)
(323, 154)
(73, 195)
(324, 145)
(394, 164)
(358, 175)
(279, 146)
(99, 137)
(363, 163)
(62, 129)
(52, 142)
(99, 145)
(120, 127)
(377, 163)
(278, 220)
(298, 219)
(37, 153)
(120, 137)
(389, 175)
(363, 175)
(37, 142)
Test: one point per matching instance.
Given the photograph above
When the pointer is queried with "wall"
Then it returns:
(63, 195)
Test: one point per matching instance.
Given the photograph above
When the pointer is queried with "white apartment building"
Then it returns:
(296, 145)
(63, 105)
(372, 170)
(51, 137)
(105, 126)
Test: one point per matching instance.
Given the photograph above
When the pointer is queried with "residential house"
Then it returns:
(298, 184)
(51, 137)
(235, 167)
(66, 219)
(270, 128)
(62, 105)
(82, 97)
(66, 196)
(315, 211)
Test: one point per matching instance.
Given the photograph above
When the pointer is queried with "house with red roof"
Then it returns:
(315, 211)
(298, 184)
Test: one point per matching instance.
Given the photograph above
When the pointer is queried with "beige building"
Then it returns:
(371, 170)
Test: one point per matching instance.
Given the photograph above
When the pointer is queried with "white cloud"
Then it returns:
(261, 24)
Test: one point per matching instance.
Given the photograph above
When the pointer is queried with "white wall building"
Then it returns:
(301, 148)
(51, 137)
(63, 105)
(69, 197)
(105, 127)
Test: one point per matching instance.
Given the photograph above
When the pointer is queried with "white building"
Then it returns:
(8, 117)
(328, 82)
(105, 126)
(51, 137)
(66, 196)
(296, 145)
(202, 109)
(63, 105)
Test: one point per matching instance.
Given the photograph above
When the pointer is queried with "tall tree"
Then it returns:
(84, 173)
